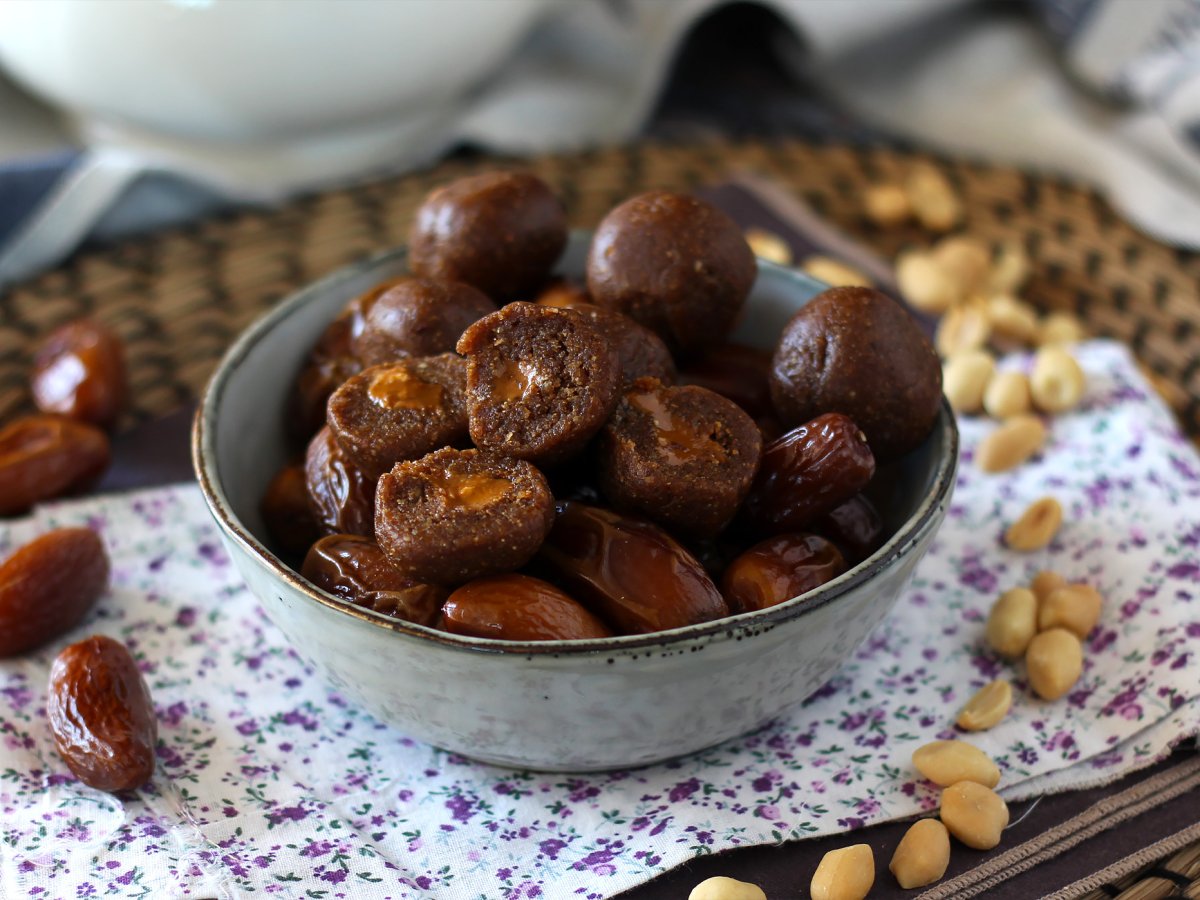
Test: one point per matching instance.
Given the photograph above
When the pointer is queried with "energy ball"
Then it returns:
(682, 456)
(540, 381)
(413, 317)
(676, 264)
(455, 515)
(640, 351)
(500, 232)
(401, 410)
(854, 350)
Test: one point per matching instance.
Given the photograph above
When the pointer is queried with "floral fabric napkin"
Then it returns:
(270, 783)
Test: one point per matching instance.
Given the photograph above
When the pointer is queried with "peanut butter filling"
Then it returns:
(680, 440)
(513, 380)
(399, 389)
(470, 491)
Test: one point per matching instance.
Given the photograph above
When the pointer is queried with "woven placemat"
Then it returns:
(179, 298)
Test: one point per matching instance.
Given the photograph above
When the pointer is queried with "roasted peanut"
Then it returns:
(925, 284)
(1045, 583)
(1010, 269)
(1011, 444)
(963, 328)
(1054, 662)
(1060, 328)
(722, 888)
(949, 762)
(835, 272)
(965, 377)
(1007, 395)
(886, 204)
(769, 246)
(922, 855)
(1057, 382)
(1012, 320)
(987, 707)
(974, 814)
(1012, 622)
(1036, 527)
(1075, 607)
(845, 874)
(965, 260)
(934, 202)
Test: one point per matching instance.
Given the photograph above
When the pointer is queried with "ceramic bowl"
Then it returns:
(555, 705)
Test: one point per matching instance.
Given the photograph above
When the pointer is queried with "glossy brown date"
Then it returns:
(736, 372)
(43, 456)
(341, 497)
(779, 569)
(518, 608)
(286, 512)
(101, 715)
(327, 367)
(855, 526)
(809, 471)
(48, 585)
(79, 371)
(631, 574)
(354, 568)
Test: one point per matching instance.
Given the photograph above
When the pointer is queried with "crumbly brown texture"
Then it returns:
(413, 317)
(676, 264)
(641, 352)
(856, 351)
(455, 515)
(402, 410)
(540, 381)
(341, 497)
(682, 456)
(501, 232)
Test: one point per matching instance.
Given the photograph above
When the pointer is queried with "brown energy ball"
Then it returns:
(413, 317)
(455, 515)
(340, 495)
(676, 264)
(856, 351)
(682, 456)
(641, 352)
(540, 381)
(501, 232)
(400, 411)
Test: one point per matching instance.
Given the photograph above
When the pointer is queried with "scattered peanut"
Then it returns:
(923, 854)
(963, 328)
(965, 376)
(1010, 270)
(1036, 527)
(1057, 382)
(949, 762)
(769, 246)
(934, 202)
(1045, 583)
(1075, 607)
(1060, 328)
(1054, 662)
(845, 874)
(886, 204)
(835, 272)
(1012, 622)
(722, 888)
(1015, 441)
(1007, 395)
(924, 284)
(974, 814)
(965, 260)
(989, 705)
(1012, 320)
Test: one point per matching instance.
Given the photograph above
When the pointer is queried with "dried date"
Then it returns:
(779, 569)
(42, 457)
(355, 568)
(518, 608)
(79, 372)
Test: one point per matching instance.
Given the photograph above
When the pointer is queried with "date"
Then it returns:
(79, 372)
(779, 569)
(340, 495)
(43, 456)
(355, 568)
(518, 608)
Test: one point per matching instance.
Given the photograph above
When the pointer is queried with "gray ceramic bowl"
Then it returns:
(564, 705)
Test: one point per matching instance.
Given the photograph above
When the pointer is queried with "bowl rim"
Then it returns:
(203, 448)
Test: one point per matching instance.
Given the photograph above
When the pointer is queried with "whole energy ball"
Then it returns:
(676, 264)
(856, 351)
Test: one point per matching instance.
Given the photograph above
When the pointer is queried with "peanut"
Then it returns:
(1060, 328)
(949, 762)
(835, 272)
(1054, 662)
(1012, 622)
(963, 328)
(1011, 319)
(1015, 441)
(722, 888)
(1075, 607)
(1036, 527)
(922, 855)
(1045, 583)
(886, 204)
(1010, 270)
(965, 376)
(989, 705)
(924, 284)
(769, 246)
(845, 874)
(1007, 395)
(965, 260)
(974, 814)
(934, 202)
(1057, 382)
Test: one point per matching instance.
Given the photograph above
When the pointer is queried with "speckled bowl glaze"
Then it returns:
(561, 705)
